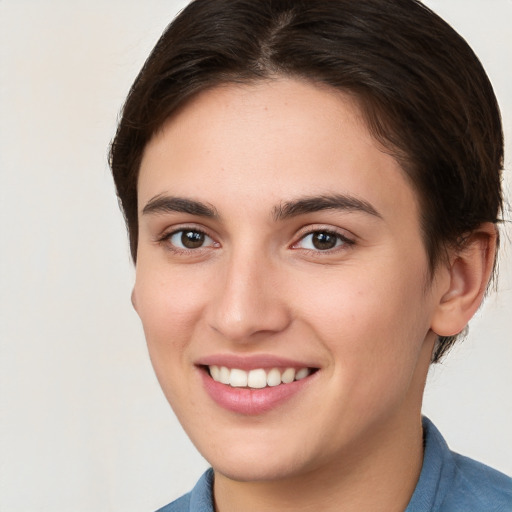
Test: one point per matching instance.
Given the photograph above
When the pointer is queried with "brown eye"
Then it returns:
(323, 241)
(190, 239)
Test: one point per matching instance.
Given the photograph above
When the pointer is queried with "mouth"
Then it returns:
(257, 378)
(254, 386)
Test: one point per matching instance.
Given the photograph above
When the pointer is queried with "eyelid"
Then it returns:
(165, 236)
(347, 241)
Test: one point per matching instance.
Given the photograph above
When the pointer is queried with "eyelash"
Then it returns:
(342, 242)
(166, 238)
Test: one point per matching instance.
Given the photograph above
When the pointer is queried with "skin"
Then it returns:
(364, 313)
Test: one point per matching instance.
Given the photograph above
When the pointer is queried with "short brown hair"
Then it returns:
(424, 94)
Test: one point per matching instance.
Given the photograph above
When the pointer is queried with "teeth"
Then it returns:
(224, 375)
(215, 373)
(302, 374)
(258, 378)
(288, 375)
(274, 377)
(238, 378)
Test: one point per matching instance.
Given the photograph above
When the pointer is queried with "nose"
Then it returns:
(250, 302)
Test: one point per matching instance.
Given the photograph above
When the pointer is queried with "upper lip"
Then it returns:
(252, 362)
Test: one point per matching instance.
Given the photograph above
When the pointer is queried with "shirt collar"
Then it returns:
(436, 473)
(201, 497)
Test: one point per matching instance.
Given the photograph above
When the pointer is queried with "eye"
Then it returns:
(322, 241)
(188, 239)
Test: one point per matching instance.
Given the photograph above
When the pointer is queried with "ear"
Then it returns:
(134, 299)
(467, 276)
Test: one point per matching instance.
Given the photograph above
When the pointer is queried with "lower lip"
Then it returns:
(252, 401)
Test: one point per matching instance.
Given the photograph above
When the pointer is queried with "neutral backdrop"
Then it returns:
(84, 425)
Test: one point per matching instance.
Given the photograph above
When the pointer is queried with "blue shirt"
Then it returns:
(448, 482)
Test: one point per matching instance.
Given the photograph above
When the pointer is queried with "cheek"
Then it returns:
(167, 298)
(170, 306)
(373, 323)
(362, 299)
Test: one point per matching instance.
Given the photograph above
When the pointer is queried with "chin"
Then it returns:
(268, 460)
(242, 470)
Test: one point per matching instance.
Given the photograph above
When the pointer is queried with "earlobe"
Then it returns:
(469, 272)
(134, 300)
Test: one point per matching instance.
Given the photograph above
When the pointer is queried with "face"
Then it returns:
(281, 279)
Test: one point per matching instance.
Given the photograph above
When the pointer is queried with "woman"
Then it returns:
(312, 190)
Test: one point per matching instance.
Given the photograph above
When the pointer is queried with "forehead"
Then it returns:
(268, 142)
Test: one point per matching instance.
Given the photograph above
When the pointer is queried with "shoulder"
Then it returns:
(180, 505)
(477, 485)
(450, 482)
(199, 499)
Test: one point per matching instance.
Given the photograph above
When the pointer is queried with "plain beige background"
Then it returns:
(83, 425)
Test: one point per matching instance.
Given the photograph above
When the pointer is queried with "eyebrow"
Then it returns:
(313, 204)
(166, 204)
(286, 210)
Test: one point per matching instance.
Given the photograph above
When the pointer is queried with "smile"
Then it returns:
(258, 378)
(254, 386)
